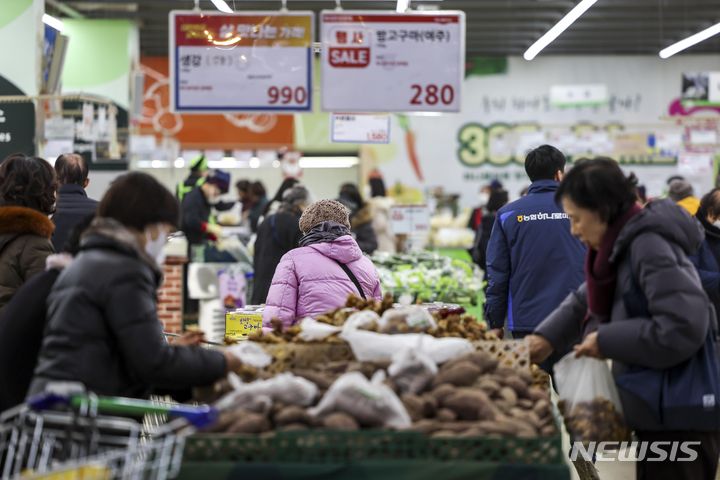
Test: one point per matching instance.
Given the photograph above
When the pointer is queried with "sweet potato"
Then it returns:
(526, 403)
(509, 395)
(250, 423)
(225, 420)
(430, 405)
(517, 384)
(446, 415)
(494, 427)
(537, 393)
(444, 434)
(294, 427)
(442, 391)
(488, 385)
(426, 426)
(340, 421)
(322, 380)
(548, 430)
(293, 414)
(469, 404)
(461, 374)
(542, 408)
(414, 406)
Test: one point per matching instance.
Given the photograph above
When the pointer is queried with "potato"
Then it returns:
(446, 415)
(469, 404)
(340, 421)
(517, 384)
(462, 374)
(293, 414)
(509, 395)
(250, 423)
(414, 406)
(442, 391)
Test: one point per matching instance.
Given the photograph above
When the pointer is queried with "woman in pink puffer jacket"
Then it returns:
(311, 280)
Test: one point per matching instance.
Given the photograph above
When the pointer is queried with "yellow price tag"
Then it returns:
(238, 325)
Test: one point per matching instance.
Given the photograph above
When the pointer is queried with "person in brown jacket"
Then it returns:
(27, 197)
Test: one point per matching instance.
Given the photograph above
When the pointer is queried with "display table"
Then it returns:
(375, 470)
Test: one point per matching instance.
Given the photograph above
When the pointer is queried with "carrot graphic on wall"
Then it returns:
(410, 145)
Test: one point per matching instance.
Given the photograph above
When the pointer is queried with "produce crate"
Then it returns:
(323, 446)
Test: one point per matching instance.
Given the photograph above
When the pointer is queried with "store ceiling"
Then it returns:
(494, 27)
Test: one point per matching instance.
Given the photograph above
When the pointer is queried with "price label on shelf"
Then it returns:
(360, 128)
(241, 62)
(384, 62)
(409, 219)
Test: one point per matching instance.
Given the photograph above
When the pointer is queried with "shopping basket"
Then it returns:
(83, 436)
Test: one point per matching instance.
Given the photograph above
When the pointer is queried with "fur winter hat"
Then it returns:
(324, 211)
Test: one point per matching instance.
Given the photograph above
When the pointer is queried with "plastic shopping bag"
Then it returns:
(379, 347)
(411, 319)
(251, 354)
(412, 370)
(286, 388)
(589, 400)
(371, 403)
(313, 331)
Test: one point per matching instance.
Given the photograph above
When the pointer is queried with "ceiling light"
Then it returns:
(402, 6)
(328, 162)
(53, 22)
(179, 162)
(254, 162)
(558, 28)
(690, 41)
(222, 6)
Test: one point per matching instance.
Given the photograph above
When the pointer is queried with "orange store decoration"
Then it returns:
(227, 132)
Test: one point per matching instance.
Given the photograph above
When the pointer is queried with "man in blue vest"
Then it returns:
(533, 262)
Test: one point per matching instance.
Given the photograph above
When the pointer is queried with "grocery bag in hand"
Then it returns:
(589, 400)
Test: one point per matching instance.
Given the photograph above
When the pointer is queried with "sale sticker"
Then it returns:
(386, 62)
(360, 128)
(241, 62)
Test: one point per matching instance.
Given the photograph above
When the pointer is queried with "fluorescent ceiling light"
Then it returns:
(53, 22)
(328, 162)
(179, 162)
(558, 28)
(690, 41)
(222, 6)
(402, 6)
(254, 162)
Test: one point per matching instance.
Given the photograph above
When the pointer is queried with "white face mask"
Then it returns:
(716, 223)
(155, 248)
(484, 198)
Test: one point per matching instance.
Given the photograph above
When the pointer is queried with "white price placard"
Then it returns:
(359, 128)
(241, 62)
(386, 62)
(409, 219)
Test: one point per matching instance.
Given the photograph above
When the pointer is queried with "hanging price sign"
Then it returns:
(382, 62)
(252, 61)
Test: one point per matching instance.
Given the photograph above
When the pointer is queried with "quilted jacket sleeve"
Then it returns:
(282, 297)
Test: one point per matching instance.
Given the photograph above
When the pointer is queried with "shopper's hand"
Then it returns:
(214, 229)
(190, 338)
(498, 332)
(233, 363)
(540, 349)
(589, 347)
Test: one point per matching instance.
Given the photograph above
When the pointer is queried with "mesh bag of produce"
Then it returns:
(589, 400)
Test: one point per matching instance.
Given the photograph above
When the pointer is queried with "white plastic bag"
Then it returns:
(371, 403)
(251, 354)
(379, 347)
(589, 400)
(412, 319)
(361, 320)
(412, 370)
(286, 388)
(313, 331)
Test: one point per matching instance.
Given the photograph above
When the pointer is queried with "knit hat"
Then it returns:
(220, 179)
(324, 211)
(680, 189)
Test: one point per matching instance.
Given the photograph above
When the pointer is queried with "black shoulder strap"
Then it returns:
(353, 278)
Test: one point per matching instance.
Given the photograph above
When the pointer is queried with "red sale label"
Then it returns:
(349, 57)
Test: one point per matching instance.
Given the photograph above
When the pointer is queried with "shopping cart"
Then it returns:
(83, 436)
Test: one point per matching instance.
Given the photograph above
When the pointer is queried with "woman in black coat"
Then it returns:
(361, 217)
(103, 330)
(498, 199)
(277, 234)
